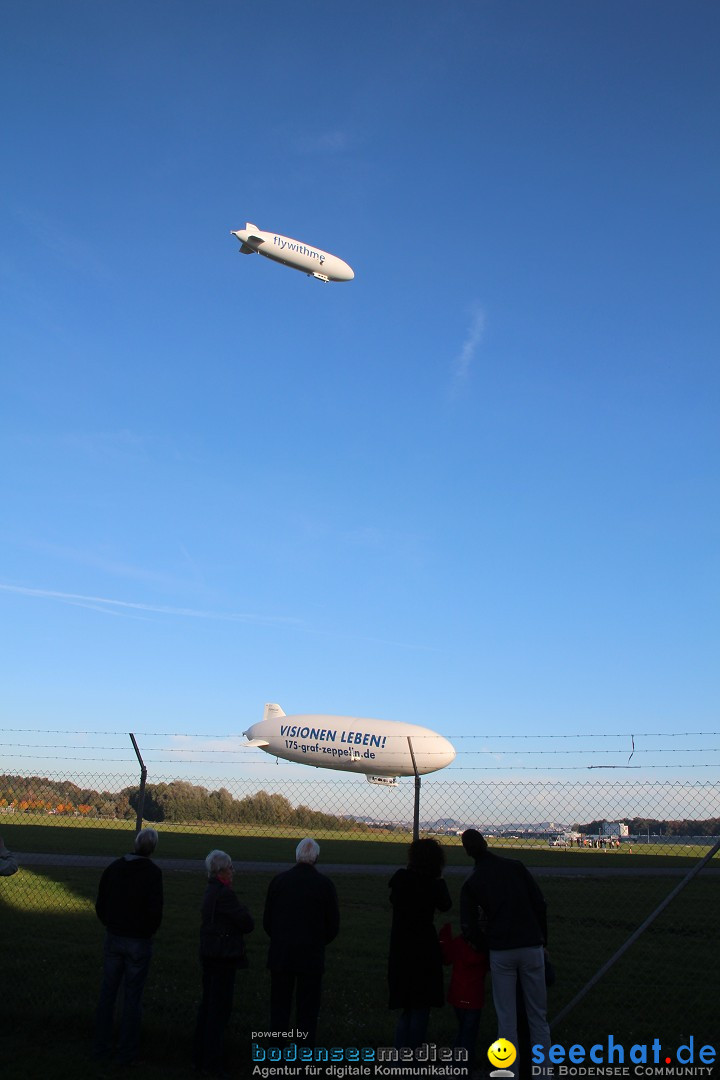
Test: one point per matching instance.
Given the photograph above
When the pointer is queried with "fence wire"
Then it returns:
(605, 853)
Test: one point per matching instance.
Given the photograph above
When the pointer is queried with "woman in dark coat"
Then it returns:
(224, 921)
(415, 972)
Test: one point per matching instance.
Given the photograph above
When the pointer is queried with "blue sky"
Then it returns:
(476, 488)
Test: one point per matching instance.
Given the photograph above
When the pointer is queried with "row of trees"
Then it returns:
(40, 795)
(182, 801)
(39, 806)
(178, 801)
(639, 826)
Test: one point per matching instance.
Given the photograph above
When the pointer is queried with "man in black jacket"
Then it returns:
(502, 905)
(129, 905)
(301, 917)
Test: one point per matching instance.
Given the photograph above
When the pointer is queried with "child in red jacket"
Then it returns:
(466, 992)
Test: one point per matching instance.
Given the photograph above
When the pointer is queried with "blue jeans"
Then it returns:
(411, 1028)
(125, 960)
(467, 1033)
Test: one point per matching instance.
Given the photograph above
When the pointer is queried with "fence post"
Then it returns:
(141, 794)
(416, 809)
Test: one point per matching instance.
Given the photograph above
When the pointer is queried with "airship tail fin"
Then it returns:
(272, 712)
(253, 233)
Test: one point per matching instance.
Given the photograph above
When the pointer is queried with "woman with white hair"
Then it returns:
(222, 951)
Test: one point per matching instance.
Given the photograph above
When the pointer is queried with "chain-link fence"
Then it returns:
(667, 813)
(605, 853)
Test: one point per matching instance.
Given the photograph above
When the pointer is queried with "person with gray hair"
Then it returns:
(129, 905)
(301, 917)
(146, 841)
(222, 951)
(307, 851)
(216, 861)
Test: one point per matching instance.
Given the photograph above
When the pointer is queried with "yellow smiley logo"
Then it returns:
(502, 1053)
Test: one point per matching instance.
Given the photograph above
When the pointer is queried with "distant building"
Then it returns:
(615, 828)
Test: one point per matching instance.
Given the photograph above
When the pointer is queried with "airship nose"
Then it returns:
(447, 752)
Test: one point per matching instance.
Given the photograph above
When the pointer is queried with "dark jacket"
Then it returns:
(130, 897)
(222, 909)
(415, 974)
(301, 917)
(8, 862)
(502, 902)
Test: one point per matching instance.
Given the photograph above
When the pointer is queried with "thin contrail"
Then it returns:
(123, 608)
(461, 367)
(157, 609)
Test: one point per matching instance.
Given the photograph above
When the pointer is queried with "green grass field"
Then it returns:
(667, 986)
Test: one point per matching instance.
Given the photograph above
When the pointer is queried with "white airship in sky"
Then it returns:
(379, 748)
(283, 249)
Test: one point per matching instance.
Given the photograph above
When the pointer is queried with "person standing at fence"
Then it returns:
(222, 951)
(301, 918)
(129, 905)
(502, 901)
(415, 974)
(8, 862)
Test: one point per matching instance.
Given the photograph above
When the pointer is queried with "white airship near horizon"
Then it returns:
(283, 249)
(379, 748)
